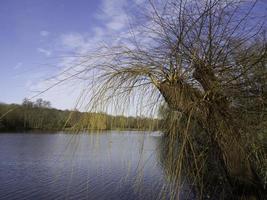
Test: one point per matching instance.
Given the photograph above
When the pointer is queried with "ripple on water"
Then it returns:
(58, 166)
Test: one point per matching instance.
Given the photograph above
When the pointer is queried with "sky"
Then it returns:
(35, 35)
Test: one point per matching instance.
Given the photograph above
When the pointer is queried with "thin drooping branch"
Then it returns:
(207, 60)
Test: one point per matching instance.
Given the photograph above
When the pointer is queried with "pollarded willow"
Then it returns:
(207, 60)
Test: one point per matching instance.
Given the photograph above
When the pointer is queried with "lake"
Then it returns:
(108, 165)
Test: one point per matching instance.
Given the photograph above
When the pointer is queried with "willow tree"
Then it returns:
(207, 60)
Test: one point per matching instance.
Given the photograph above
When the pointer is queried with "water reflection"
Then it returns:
(108, 165)
(178, 183)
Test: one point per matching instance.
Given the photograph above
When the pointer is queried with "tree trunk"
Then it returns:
(216, 119)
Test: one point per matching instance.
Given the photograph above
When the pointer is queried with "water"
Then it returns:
(111, 165)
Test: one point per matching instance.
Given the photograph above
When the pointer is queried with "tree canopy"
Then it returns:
(206, 59)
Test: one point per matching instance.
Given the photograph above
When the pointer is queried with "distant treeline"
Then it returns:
(39, 115)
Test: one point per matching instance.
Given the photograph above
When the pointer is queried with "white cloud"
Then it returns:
(29, 84)
(114, 15)
(44, 51)
(73, 40)
(44, 33)
(62, 96)
(18, 66)
(112, 29)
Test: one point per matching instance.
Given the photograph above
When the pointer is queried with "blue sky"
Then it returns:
(34, 33)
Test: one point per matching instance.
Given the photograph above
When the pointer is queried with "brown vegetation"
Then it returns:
(207, 60)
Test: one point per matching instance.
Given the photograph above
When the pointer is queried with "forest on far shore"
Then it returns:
(39, 115)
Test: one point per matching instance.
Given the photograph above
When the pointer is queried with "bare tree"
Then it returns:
(207, 60)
